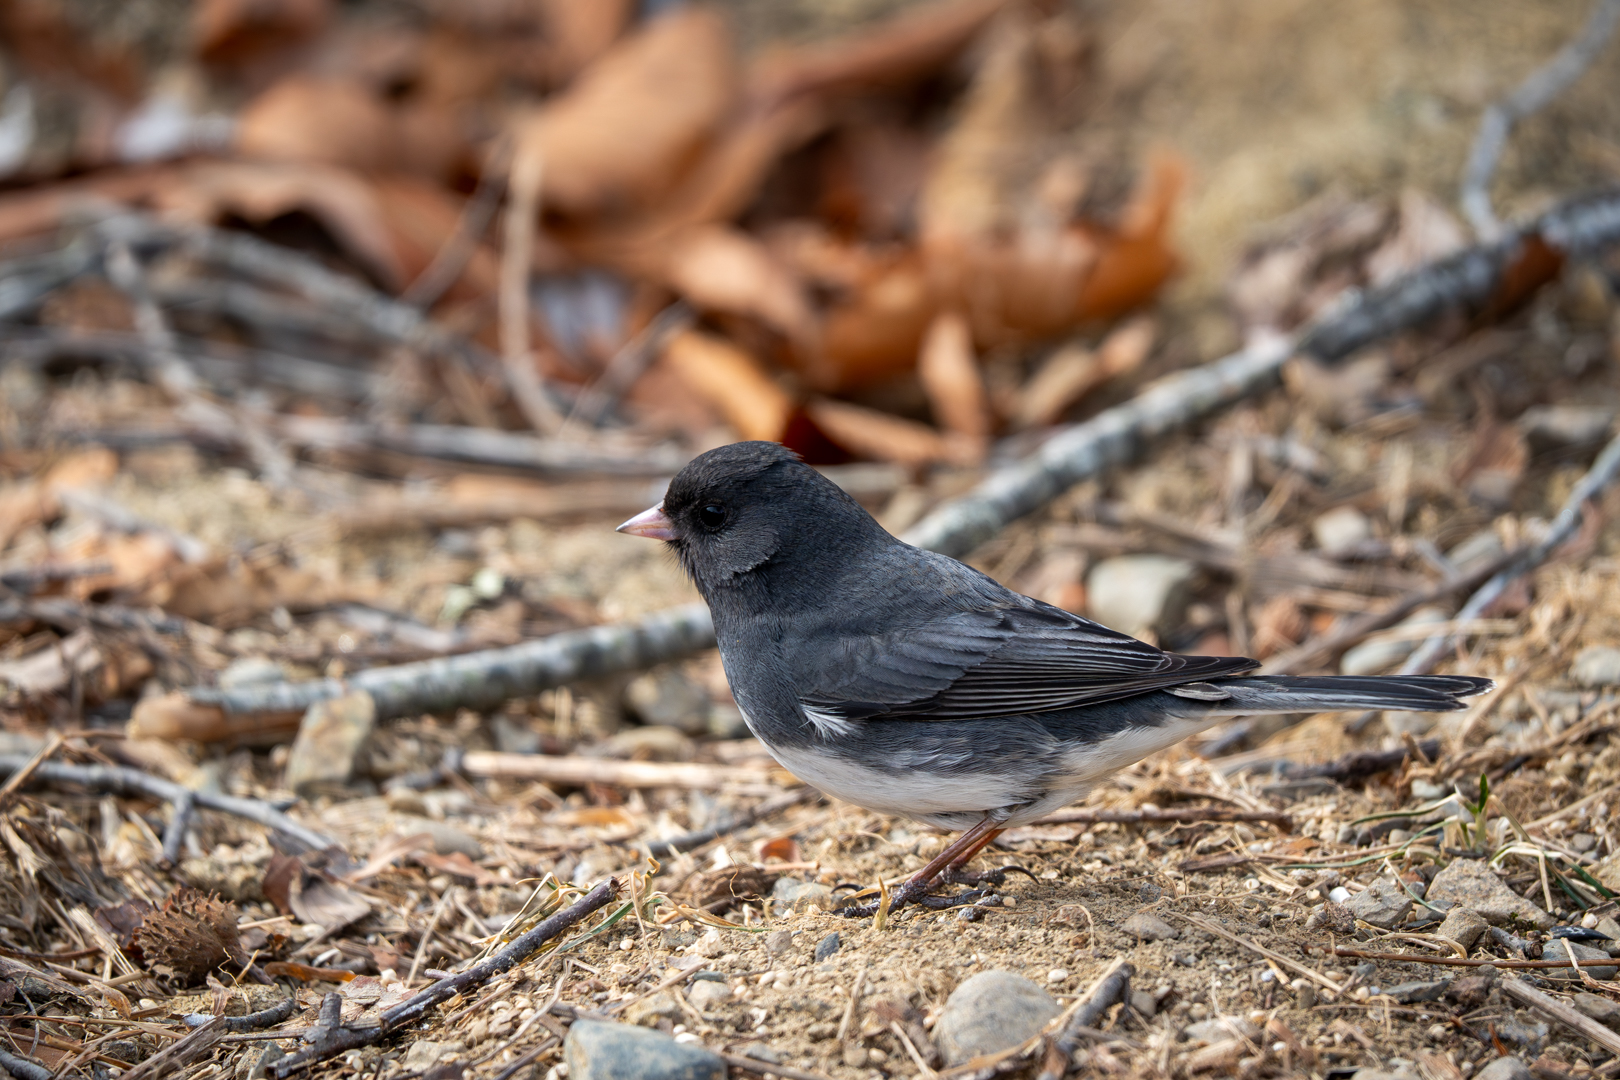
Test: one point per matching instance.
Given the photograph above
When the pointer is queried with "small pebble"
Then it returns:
(827, 946)
(1056, 975)
(990, 1012)
(1339, 895)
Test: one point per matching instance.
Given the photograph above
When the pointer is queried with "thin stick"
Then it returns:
(1113, 986)
(1590, 486)
(1564, 1014)
(1137, 817)
(774, 805)
(174, 837)
(855, 989)
(770, 1068)
(1534, 94)
(125, 781)
(340, 1039)
(1220, 931)
(20, 777)
(579, 771)
(22, 1068)
(1451, 961)
(517, 255)
(451, 258)
(427, 935)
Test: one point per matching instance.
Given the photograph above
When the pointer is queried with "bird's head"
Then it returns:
(739, 510)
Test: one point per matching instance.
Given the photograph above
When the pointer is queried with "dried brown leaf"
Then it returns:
(729, 379)
(234, 32)
(950, 377)
(881, 436)
(725, 269)
(627, 129)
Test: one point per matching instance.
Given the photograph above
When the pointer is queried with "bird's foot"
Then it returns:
(961, 875)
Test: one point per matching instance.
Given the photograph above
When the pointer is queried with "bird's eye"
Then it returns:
(713, 515)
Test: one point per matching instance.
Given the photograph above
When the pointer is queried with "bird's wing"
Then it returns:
(1002, 661)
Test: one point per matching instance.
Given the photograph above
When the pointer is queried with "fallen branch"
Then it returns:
(22, 1068)
(579, 771)
(1113, 988)
(1564, 526)
(1538, 91)
(485, 679)
(1361, 763)
(1144, 816)
(1471, 278)
(336, 1039)
(1564, 1014)
(125, 781)
(1451, 961)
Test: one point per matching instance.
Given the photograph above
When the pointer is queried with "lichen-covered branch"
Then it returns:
(485, 679)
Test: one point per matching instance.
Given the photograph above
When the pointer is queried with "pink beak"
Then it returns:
(654, 524)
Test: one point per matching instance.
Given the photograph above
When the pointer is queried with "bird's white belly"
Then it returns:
(915, 793)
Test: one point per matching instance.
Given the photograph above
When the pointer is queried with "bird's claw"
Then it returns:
(961, 875)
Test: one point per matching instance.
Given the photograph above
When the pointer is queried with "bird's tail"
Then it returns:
(1336, 693)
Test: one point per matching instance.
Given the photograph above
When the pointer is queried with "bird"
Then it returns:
(908, 683)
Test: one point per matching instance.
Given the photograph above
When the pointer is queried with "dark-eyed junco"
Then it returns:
(909, 683)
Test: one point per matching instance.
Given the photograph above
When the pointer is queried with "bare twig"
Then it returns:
(1144, 816)
(629, 362)
(770, 1068)
(691, 840)
(1112, 988)
(1220, 931)
(126, 781)
(451, 259)
(517, 255)
(177, 1055)
(1585, 1025)
(579, 771)
(174, 836)
(1564, 526)
(1449, 961)
(336, 1039)
(1543, 86)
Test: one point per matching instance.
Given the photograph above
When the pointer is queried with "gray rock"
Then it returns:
(1505, 1068)
(259, 1069)
(1144, 1003)
(795, 895)
(1381, 653)
(425, 1054)
(827, 946)
(992, 1011)
(1148, 927)
(649, 1010)
(1596, 665)
(595, 1050)
(1585, 955)
(329, 738)
(1462, 925)
(779, 942)
(1472, 884)
(1383, 904)
(670, 699)
(706, 994)
(1597, 1008)
(1427, 790)
(1341, 529)
(447, 839)
(1410, 992)
(1139, 593)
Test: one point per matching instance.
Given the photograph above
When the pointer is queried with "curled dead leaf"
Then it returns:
(950, 377)
(882, 436)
